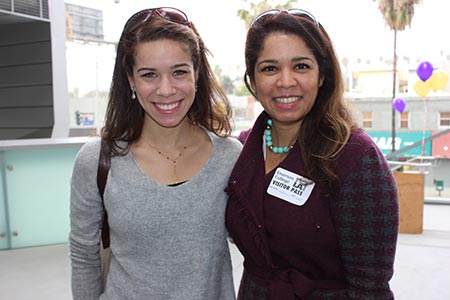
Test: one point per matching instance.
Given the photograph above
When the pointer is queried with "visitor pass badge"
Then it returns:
(290, 187)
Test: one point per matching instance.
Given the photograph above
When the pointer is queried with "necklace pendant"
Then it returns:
(175, 176)
(174, 161)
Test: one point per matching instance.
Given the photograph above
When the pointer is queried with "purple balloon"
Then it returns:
(424, 70)
(399, 104)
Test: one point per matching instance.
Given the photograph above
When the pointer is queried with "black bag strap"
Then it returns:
(104, 163)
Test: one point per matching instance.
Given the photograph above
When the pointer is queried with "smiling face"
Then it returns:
(287, 78)
(164, 77)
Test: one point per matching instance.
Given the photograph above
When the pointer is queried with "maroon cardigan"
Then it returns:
(340, 246)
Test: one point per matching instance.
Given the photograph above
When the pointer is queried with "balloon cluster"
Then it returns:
(429, 79)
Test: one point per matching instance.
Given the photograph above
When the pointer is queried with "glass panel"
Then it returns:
(38, 194)
(4, 237)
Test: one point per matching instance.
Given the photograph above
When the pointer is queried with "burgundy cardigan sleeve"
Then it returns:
(243, 135)
(366, 218)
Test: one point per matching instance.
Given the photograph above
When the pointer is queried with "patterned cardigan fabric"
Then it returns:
(338, 245)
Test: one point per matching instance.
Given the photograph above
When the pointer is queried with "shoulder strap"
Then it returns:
(104, 164)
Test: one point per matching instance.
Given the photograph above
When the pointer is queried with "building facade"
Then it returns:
(33, 85)
(421, 119)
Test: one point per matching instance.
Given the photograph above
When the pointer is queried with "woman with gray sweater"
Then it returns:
(168, 129)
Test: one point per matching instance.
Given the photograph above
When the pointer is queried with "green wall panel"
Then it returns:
(38, 192)
(4, 236)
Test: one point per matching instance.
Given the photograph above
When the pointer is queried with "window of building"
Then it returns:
(404, 120)
(444, 119)
(367, 120)
(403, 82)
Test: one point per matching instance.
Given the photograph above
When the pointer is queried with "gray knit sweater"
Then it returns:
(166, 242)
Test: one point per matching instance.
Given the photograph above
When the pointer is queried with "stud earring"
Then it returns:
(133, 93)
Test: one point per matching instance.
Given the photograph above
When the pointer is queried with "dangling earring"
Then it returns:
(196, 87)
(133, 93)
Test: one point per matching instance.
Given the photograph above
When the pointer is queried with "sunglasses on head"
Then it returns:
(292, 11)
(168, 13)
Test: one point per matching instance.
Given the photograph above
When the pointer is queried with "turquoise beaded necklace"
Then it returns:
(268, 137)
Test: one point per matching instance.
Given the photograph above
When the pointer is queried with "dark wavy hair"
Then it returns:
(125, 117)
(327, 127)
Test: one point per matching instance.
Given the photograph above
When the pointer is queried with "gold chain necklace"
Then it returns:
(173, 160)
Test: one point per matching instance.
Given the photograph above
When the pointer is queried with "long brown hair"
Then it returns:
(125, 117)
(327, 127)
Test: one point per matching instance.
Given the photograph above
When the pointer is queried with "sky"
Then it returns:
(356, 27)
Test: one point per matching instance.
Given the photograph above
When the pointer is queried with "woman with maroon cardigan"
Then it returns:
(313, 204)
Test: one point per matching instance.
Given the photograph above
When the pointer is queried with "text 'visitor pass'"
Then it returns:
(290, 187)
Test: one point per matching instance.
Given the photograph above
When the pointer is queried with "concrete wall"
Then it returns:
(440, 170)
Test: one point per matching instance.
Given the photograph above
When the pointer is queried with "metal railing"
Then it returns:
(417, 164)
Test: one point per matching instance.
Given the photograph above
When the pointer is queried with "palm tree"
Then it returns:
(397, 14)
(255, 9)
